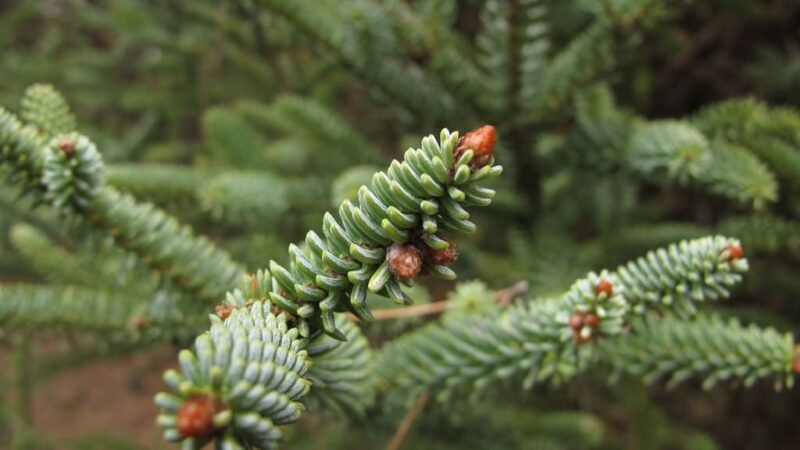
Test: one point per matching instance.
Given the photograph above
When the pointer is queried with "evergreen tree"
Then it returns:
(132, 220)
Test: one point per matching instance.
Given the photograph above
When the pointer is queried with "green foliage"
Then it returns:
(770, 133)
(164, 244)
(587, 57)
(675, 147)
(412, 202)
(739, 174)
(244, 198)
(159, 239)
(343, 373)
(536, 341)
(158, 183)
(46, 109)
(391, 78)
(253, 363)
(58, 265)
(682, 274)
(708, 347)
(313, 121)
(20, 150)
(72, 171)
(232, 140)
(623, 125)
(64, 306)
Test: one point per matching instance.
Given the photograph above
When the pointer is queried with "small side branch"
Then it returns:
(408, 420)
(503, 297)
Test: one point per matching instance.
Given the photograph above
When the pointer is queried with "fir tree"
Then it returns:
(618, 233)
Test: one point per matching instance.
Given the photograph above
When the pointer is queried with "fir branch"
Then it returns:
(230, 197)
(672, 146)
(342, 374)
(546, 340)
(67, 307)
(405, 209)
(493, 42)
(81, 268)
(683, 274)
(769, 133)
(20, 151)
(402, 84)
(232, 140)
(380, 243)
(245, 198)
(68, 174)
(167, 246)
(438, 48)
(45, 108)
(159, 183)
(244, 379)
(586, 58)
(707, 347)
(737, 173)
(311, 121)
(685, 154)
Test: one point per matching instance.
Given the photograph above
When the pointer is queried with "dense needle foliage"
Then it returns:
(440, 224)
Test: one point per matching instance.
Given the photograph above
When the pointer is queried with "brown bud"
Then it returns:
(196, 416)
(604, 287)
(223, 310)
(67, 146)
(734, 252)
(576, 321)
(481, 141)
(591, 320)
(405, 261)
(440, 257)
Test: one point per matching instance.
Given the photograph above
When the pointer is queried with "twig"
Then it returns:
(503, 297)
(506, 296)
(411, 311)
(408, 420)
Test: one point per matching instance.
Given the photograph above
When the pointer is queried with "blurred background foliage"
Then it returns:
(248, 119)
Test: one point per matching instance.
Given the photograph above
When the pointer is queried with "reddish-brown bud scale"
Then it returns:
(481, 141)
(253, 283)
(604, 287)
(576, 321)
(440, 257)
(405, 261)
(223, 310)
(591, 320)
(67, 146)
(196, 416)
(735, 252)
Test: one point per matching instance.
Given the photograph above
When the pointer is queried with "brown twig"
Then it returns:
(506, 296)
(503, 297)
(408, 420)
(411, 311)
